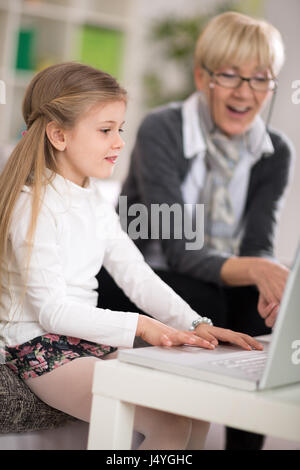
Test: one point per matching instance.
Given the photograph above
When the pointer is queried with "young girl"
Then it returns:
(55, 234)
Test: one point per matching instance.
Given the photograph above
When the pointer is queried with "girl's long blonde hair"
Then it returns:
(59, 93)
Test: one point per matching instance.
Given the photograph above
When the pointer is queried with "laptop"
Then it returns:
(277, 365)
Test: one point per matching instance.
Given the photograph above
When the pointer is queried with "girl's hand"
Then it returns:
(159, 334)
(213, 334)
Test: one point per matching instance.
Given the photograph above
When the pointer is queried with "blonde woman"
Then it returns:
(215, 149)
(56, 233)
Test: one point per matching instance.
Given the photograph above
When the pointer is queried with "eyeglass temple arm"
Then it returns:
(207, 70)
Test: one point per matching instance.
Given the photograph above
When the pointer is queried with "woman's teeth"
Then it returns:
(239, 109)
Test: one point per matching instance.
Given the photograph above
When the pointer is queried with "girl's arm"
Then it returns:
(126, 265)
(46, 300)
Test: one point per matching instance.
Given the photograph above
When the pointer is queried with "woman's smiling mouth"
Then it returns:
(238, 110)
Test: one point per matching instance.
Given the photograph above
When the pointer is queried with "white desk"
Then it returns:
(118, 387)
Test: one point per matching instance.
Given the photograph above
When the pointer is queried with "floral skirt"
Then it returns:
(47, 352)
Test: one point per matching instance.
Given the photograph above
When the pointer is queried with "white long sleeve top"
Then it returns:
(78, 232)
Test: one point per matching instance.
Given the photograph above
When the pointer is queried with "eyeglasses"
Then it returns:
(231, 80)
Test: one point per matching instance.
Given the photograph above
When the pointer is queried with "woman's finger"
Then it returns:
(270, 320)
(269, 296)
(271, 281)
(265, 310)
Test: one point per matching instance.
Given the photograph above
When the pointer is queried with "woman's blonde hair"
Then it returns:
(59, 93)
(235, 39)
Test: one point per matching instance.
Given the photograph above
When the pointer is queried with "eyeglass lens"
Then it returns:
(235, 81)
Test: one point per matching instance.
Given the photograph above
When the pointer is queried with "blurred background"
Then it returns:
(148, 45)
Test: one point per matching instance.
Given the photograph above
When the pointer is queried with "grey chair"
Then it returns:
(21, 410)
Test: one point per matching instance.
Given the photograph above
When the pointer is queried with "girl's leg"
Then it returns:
(198, 435)
(162, 431)
(69, 389)
(175, 432)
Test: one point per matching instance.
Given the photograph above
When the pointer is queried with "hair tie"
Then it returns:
(24, 132)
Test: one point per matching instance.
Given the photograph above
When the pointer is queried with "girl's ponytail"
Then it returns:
(26, 166)
(59, 93)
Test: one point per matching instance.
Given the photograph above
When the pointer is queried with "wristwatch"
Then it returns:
(200, 320)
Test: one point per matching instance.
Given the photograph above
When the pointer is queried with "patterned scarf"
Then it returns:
(222, 157)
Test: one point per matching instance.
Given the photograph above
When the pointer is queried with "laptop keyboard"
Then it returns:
(252, 366)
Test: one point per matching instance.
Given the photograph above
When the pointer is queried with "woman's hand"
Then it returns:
(159, 334)
(270, 279)
(213, 334)
(267, 310)
(268, 276)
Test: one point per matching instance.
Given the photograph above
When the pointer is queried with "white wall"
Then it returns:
(286, 17)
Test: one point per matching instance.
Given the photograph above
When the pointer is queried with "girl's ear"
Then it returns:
(56, 136)
(199, 77)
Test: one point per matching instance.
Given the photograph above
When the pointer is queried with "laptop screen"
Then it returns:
(283, 364)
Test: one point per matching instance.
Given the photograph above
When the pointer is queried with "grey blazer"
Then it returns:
(157, 169)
